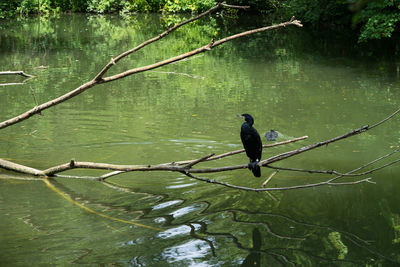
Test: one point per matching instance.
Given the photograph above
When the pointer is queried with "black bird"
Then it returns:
(252, 143)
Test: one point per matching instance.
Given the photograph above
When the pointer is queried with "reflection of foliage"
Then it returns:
(335, 239)
(393, 220)
(396, 228)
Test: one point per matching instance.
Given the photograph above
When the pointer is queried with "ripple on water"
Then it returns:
(185, 210)
(179, 186)
(177, 231)
(187, 252)
(167, 204)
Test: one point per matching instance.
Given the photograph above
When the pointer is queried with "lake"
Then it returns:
(292, 80)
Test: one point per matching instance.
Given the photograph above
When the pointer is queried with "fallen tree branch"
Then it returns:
(227, 154)
(118, 169)
(307, 148)
(269, 179)
(7, 84)
(304, 186)
(98, 79)
(18, 72)
(185, 167)
(338, 173)
(202, 49)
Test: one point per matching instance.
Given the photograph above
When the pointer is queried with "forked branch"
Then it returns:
(186, 167)
(18, 72)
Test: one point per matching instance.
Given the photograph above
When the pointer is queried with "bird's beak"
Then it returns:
(240, 116)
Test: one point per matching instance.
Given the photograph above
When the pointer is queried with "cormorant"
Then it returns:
(252, 143)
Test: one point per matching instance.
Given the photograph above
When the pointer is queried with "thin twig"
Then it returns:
(327, 182)
(7, 84)
(366, 165)
(34, 99)
(191, 164)
(227, 154)
(307, 148)
(269, 178)
(18, 72)
(384, 120)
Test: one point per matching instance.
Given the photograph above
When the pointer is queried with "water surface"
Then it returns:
(289, 80)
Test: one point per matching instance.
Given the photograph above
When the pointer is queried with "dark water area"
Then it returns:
(293, 80)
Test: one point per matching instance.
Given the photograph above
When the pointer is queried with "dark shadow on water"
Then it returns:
(254, 257)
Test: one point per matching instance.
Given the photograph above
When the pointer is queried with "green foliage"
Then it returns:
(178, 6)
(379, 19)
(136, 6)
(124, 6)
(102, 6)
(374, 19)
(317, 12)
(336, 240)
(259, 6)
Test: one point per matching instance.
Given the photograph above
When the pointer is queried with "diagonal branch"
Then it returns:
(352, 174)
(307, 148)
(17, 72)
(227, 154)
(199, 50)
(98, 79)
(113, 61)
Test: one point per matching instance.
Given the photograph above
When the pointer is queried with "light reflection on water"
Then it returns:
(187, 253)
(186, 210)
(166, 204)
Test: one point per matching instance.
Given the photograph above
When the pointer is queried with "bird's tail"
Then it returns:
(253, 166)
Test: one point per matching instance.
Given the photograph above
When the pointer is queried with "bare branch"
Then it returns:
(307, 148)
(28, 77)
(227, 154)
(7, 84)
(113, 61)
(368, 164)
(199, 50)
(180, 166)
(191, 164)
(39, 108)
(269, 178)
(18, 72)
(236, 7)
(384, 120)
(8, 165)
(98, 79)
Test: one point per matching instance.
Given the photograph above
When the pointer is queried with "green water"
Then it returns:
(289, 80)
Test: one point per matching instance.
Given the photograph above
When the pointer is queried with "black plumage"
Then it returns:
(252, 143)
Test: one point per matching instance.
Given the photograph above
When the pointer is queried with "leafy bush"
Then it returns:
(378, 19)
(192, 6)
